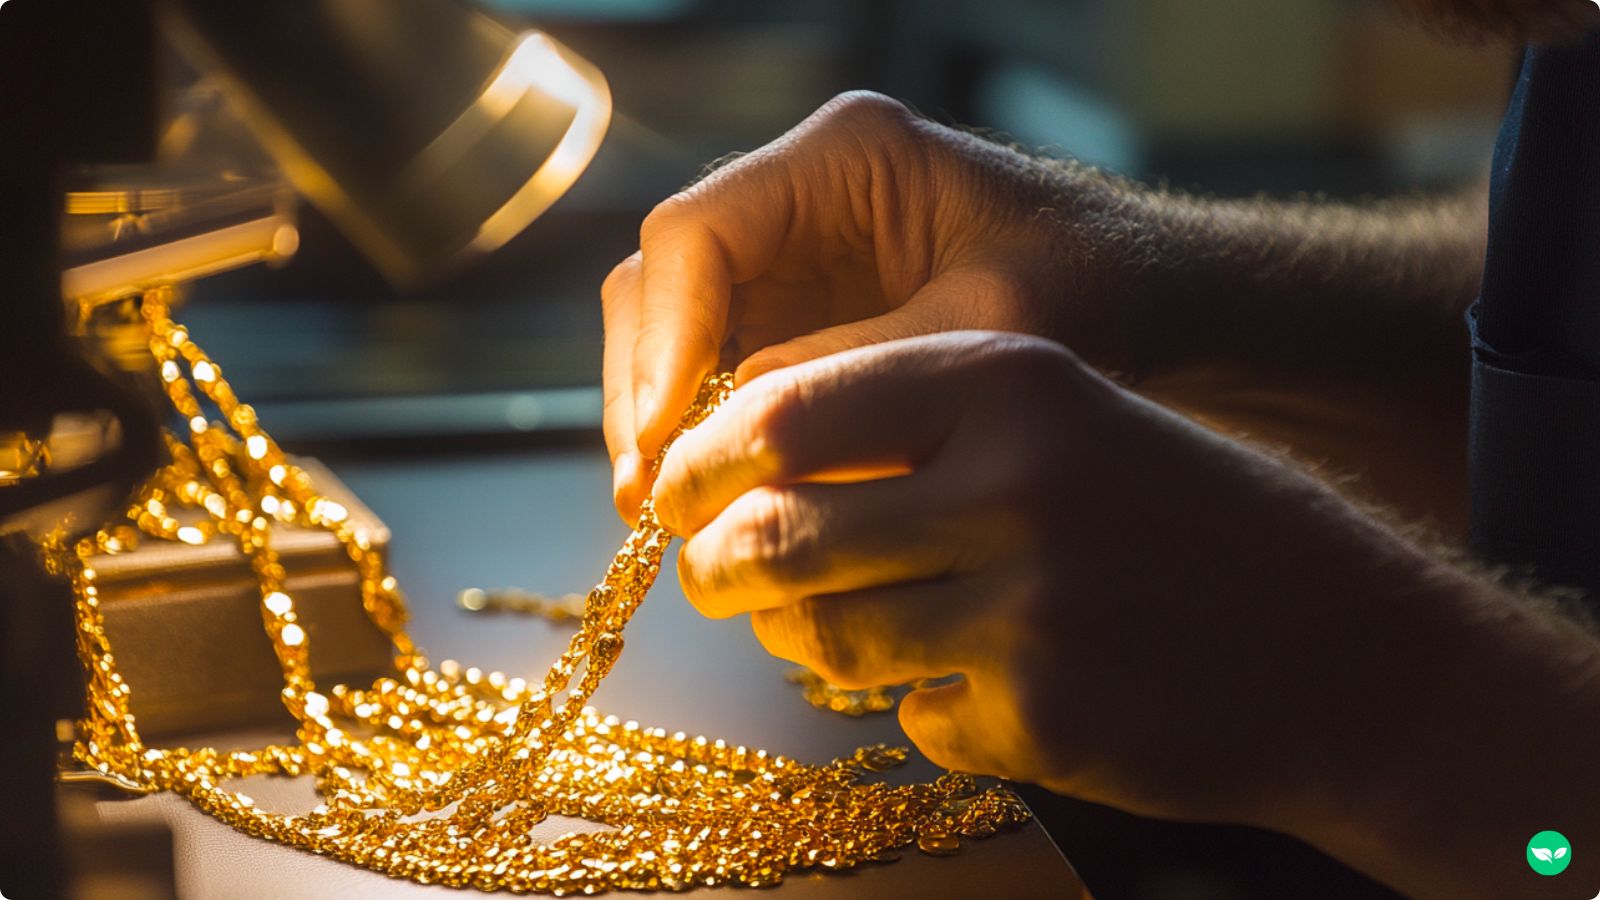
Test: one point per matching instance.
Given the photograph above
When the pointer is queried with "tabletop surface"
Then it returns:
(544, 522)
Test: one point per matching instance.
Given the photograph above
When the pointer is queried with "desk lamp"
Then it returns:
(429, 132)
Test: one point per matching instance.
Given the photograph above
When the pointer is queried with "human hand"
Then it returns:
(866, 223)
(1107, 578)
(863, 224)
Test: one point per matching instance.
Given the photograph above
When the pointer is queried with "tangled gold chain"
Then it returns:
(437, 775)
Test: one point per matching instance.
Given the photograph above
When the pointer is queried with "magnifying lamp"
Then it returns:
(428, 131)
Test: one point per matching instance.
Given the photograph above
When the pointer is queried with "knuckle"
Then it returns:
(774, 423)
(621, 275)
(666, 215)
(765, 533)
(774, 542)
(859, 121)
(1018, 371)
(1025, 357)
(856, 107)
(833, 655)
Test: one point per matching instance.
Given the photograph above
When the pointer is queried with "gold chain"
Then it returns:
(567, 610)
(820, 693)
(437, 775)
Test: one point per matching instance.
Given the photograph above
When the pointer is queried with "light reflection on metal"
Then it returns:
(267, 239)
(540, 64)
(21, 456)
(211, 201)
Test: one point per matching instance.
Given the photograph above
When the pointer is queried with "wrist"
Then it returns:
(1116, 296)
(1060, 235)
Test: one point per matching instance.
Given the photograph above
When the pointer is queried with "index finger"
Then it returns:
(728, 229)
(695, 246)
(619, 298)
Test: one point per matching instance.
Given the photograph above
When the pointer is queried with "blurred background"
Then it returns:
(1230, 97)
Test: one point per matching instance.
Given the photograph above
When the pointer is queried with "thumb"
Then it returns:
(945, 723)
(899, 323)
(953, 301)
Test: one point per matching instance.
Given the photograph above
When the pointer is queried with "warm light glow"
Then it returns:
(539, 64)
(316, 704)
(536, 63)
(278, 603)
(270, 238)
(216, 506)
(325, 510)
(285, 241)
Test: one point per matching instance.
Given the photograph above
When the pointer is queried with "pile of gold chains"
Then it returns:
(438, 775)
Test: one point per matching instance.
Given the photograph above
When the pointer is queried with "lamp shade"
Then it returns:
(428, 131)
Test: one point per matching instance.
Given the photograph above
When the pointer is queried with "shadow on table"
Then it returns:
(1125, 857)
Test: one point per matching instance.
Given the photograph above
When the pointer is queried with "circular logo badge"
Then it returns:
(1549, 853)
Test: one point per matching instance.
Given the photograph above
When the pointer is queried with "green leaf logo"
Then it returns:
(1549, 853)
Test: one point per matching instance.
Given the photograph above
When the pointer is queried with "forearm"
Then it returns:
(1335, 331)
(1295, 287)
(1478, 728)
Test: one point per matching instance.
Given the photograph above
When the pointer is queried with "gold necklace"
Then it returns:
(437, 775)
